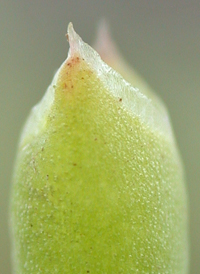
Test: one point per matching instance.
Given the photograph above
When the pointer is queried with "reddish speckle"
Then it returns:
(73, 61)
(67, 36)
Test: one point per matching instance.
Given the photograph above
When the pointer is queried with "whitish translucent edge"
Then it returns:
(36, 120)
(133, 100)
(109, 52)
(137, 103)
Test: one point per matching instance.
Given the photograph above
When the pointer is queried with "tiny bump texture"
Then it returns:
(96, 189)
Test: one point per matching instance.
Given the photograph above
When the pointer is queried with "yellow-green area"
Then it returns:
(97, 190)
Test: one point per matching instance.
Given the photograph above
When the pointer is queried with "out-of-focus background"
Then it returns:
(161, 39)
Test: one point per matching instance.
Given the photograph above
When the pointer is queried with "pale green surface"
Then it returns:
(160, 40)
(97, 188)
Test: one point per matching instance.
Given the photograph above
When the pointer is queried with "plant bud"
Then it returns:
(98, 185)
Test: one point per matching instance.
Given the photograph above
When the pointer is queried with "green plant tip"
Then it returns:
(98, 185)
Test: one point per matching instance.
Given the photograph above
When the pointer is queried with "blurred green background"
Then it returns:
(161, 39)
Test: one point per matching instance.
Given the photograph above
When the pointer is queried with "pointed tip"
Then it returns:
(74, 39)
(70, 31)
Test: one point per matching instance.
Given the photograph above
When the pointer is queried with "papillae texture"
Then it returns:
(98, 183)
